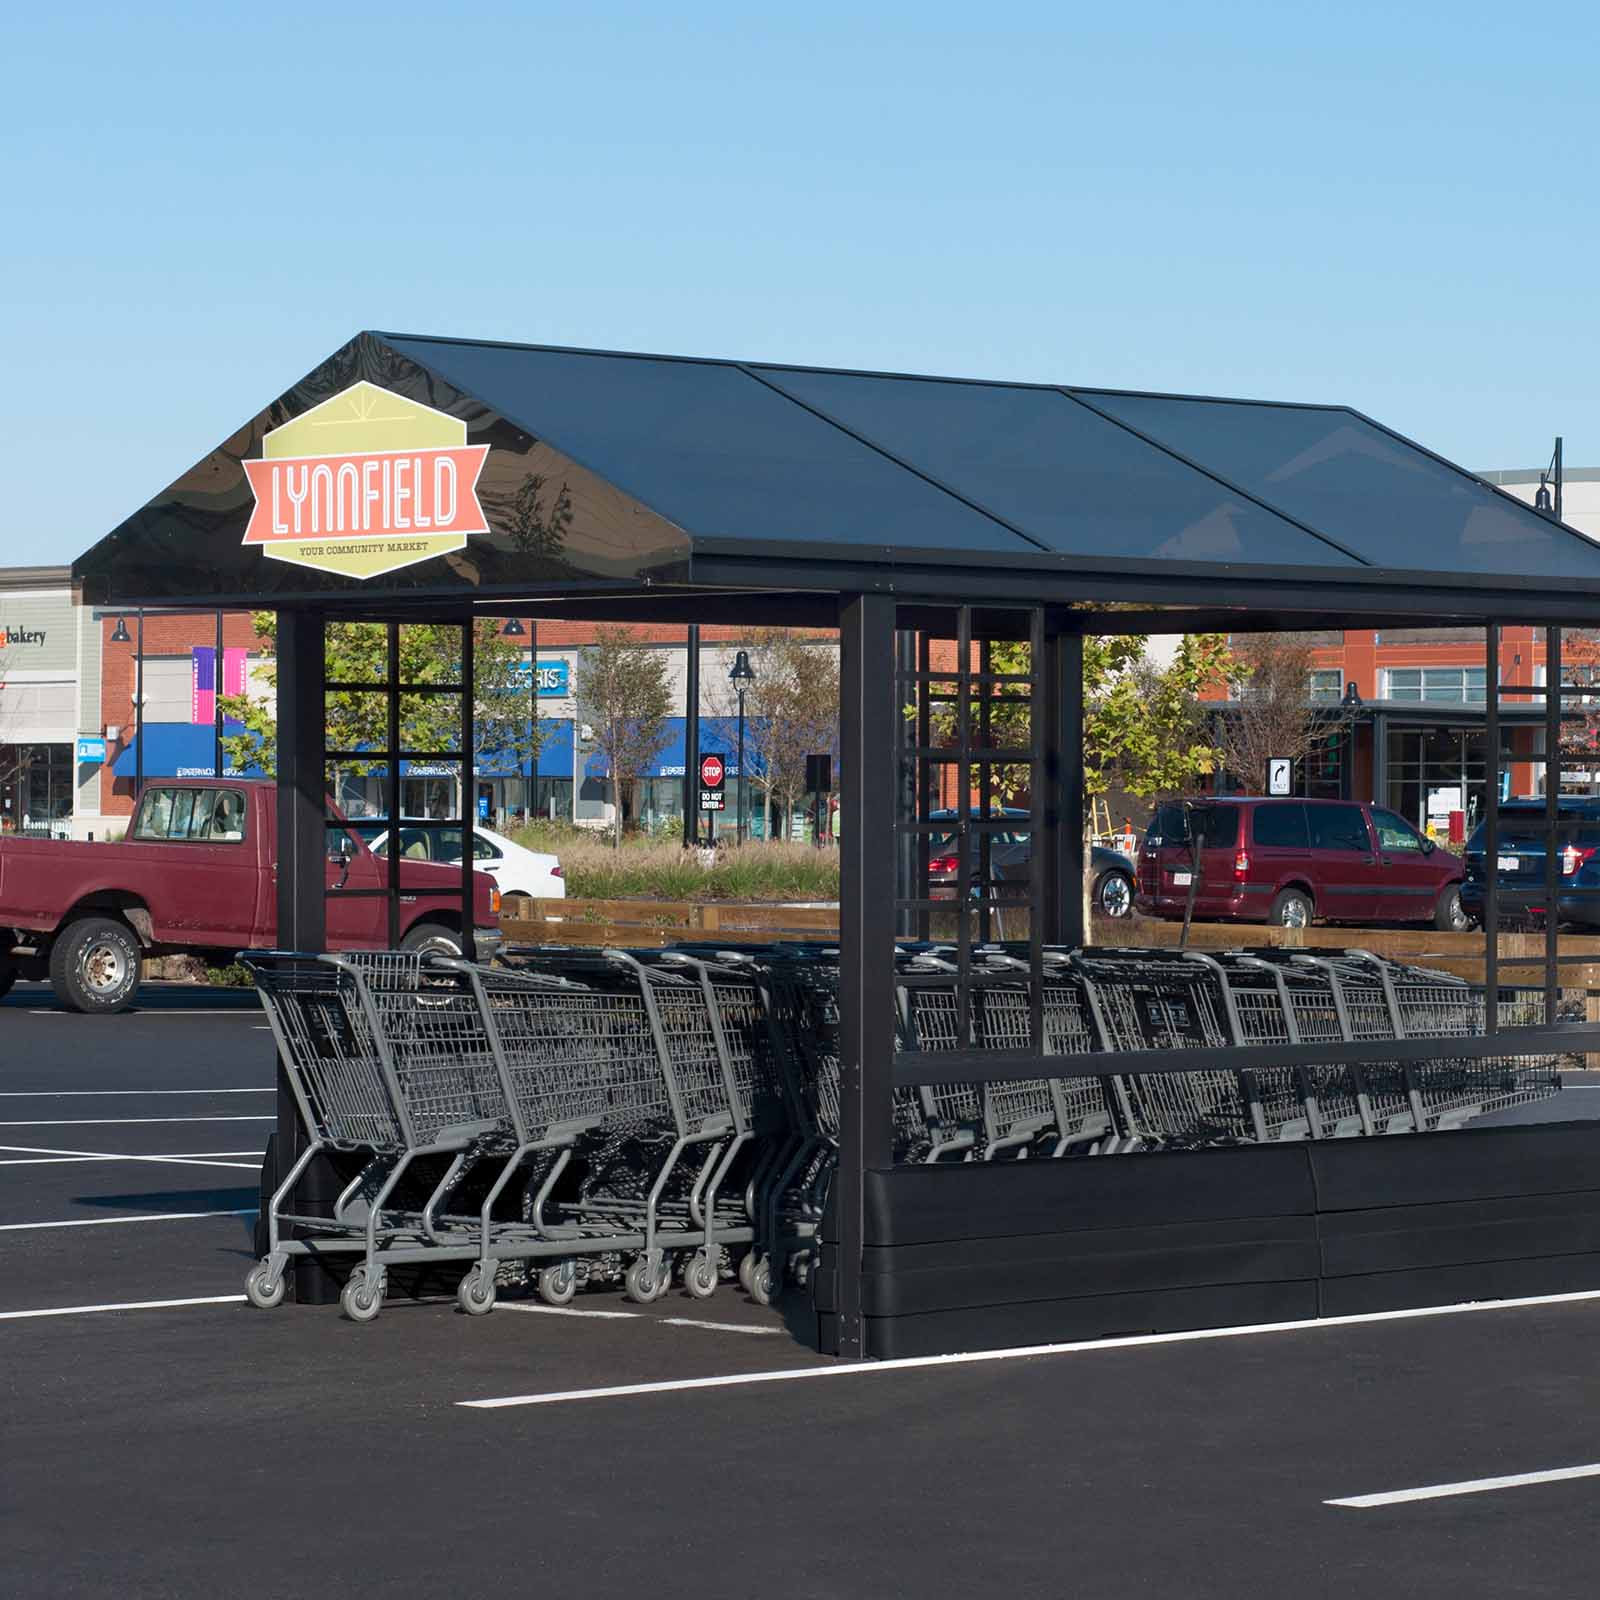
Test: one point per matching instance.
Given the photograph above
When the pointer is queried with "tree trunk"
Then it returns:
(616, 810)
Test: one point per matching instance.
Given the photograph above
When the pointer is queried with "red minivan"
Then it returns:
(1290, 862)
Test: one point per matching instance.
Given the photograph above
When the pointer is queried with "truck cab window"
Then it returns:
(208, 816)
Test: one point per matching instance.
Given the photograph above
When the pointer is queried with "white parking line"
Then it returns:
(631, 1316)
(1019, 1353)
(117, 1122)
(197, 1157)
(124, 1305)
(65, 1094)
(106, 1222)
(1443, 1491)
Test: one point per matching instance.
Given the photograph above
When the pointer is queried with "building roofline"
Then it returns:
(35, 577)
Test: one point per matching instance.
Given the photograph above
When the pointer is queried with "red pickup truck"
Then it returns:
(197, 873)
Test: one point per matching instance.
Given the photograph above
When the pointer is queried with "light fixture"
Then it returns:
(742, 672)
(513, 630)
(1541, 498)
(119, 634)
(1352, 697)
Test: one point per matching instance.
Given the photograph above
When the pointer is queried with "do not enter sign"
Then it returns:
(712, 772)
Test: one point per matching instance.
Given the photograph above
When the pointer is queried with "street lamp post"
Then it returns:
(741, 678)
(514, 630)
(119, 635)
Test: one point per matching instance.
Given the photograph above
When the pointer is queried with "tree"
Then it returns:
(1273, 715)
(1142, 726)
(791, 711)
(430, 653)
(623, 695)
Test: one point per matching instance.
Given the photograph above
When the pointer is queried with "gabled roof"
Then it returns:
(634, 468)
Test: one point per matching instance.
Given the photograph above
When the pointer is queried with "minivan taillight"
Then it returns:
(1241, 866)
(943, 863)
(1574, 857)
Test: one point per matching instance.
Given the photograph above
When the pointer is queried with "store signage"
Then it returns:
(365, 483)
(553, 678)
(712, 773)
(91, 750)
(14, 636)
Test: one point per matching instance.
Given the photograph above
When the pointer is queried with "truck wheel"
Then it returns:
(432, 939)
(94, 965)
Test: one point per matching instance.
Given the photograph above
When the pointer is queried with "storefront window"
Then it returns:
(36, 784)
(1460, 685)
(1434, 771)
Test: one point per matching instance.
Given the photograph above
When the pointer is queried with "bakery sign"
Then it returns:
(365, 483)
(13, 636)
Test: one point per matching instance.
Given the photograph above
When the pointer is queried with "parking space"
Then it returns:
(194, 1446)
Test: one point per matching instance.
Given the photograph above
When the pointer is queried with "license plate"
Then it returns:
(1506, 863)
(1182, 879)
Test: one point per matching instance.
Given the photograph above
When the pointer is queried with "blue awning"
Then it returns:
(718, 736)
(176, 750)
(555, 757)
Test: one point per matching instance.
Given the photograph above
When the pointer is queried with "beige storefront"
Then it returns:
(50, 749)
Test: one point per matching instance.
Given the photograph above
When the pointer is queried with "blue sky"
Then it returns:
(1387, 205)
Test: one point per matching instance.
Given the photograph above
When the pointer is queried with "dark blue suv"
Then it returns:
(1520, 862)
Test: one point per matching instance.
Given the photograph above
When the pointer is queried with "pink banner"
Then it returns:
(233, 671)
(367, 496)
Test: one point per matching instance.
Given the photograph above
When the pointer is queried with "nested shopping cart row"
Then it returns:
(586, 1115)
(590, 1116)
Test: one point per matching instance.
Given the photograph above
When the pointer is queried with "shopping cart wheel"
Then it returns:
(559, 1284)
(747, 1270)
(361, 1299)
(475, 1292)
(700, 1276)
(642, 1283)
(264, 1288)
(762, 1285)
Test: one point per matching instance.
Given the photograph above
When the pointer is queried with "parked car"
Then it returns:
(196, 875)
(520, 873)
(1520, 863)
(1290, 862)
(1111, 874)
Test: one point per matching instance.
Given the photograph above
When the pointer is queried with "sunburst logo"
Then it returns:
(365, 483)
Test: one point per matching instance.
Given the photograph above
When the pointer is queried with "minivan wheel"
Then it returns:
(1291, 909)
(1449, 916)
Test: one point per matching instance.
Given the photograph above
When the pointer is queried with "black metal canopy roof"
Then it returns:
(618, 475)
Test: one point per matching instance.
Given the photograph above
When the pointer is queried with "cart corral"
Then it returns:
(1203, 1139)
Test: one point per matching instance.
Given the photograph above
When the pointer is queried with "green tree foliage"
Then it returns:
(506, 725)
(1142, 728)
(624, 696)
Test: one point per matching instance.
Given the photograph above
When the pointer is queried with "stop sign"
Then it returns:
(711, 771)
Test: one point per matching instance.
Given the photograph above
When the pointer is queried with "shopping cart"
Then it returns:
(377, 1068)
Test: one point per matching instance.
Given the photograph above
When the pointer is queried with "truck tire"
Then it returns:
(94, 965)
(432, 938)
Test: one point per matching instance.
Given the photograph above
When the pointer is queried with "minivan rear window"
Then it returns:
(1217, 825)
(1279, 825)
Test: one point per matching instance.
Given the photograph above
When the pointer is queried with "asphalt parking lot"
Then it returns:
(187, 1445)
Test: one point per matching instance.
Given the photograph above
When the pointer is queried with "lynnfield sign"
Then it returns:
(365, 483)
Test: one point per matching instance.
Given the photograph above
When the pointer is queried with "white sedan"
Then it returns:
(515, 870)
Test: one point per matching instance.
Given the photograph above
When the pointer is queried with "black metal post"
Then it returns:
(1061, 859)
(1491, 829)
(909, 843)
(1558, 477)
(216, 704)
(868, 716)
(739, 828)
(469, 785)
(691, 740)
(302, 888)
(391, 783)
(138, 695)
(1552, 816)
